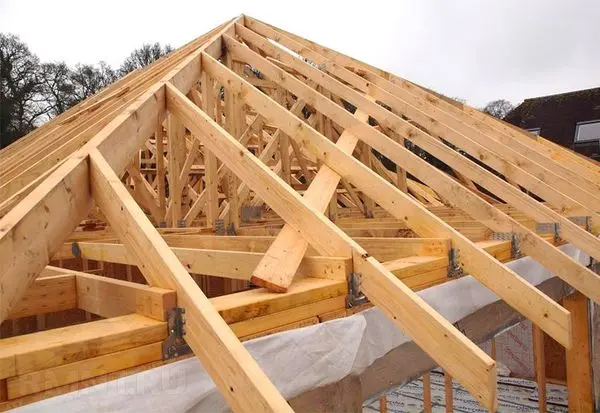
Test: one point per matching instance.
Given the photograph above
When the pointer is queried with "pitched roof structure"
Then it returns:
(320, 169)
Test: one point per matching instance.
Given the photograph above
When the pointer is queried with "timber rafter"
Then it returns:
(251, 158)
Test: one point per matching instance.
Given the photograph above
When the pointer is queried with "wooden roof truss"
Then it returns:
(250, 115)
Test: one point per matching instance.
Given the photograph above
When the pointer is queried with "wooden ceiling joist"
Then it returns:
(275, 162)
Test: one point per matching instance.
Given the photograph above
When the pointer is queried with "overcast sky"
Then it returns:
(477, 50)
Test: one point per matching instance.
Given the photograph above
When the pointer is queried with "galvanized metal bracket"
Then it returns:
(594, 265)
(454, 269)
(181, 223)
(175, 345)
(584, 221)
(75, 250)
(249, 212)
(220, 227)
(515, 247)
(554, 227)
(231, 229)
(549, 227)
(355, 297)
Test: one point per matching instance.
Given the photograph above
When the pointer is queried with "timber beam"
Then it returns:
(229, 264)
(314, 164)
(582, 278)
(546, 313)
(388, 292)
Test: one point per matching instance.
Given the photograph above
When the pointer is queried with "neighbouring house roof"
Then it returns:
(557, 115)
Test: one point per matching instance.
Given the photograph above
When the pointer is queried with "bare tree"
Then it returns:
(90, 79)
(21, 103)
(58, 87)
(143, 56)
(32, 92)
(498, 108)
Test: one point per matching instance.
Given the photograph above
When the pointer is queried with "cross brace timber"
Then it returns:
(212, 124)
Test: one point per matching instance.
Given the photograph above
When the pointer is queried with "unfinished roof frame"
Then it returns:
(184, 93)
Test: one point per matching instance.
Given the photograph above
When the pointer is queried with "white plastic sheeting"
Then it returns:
(296, 361)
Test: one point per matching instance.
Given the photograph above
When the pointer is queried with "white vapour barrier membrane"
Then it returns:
(296, 361)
